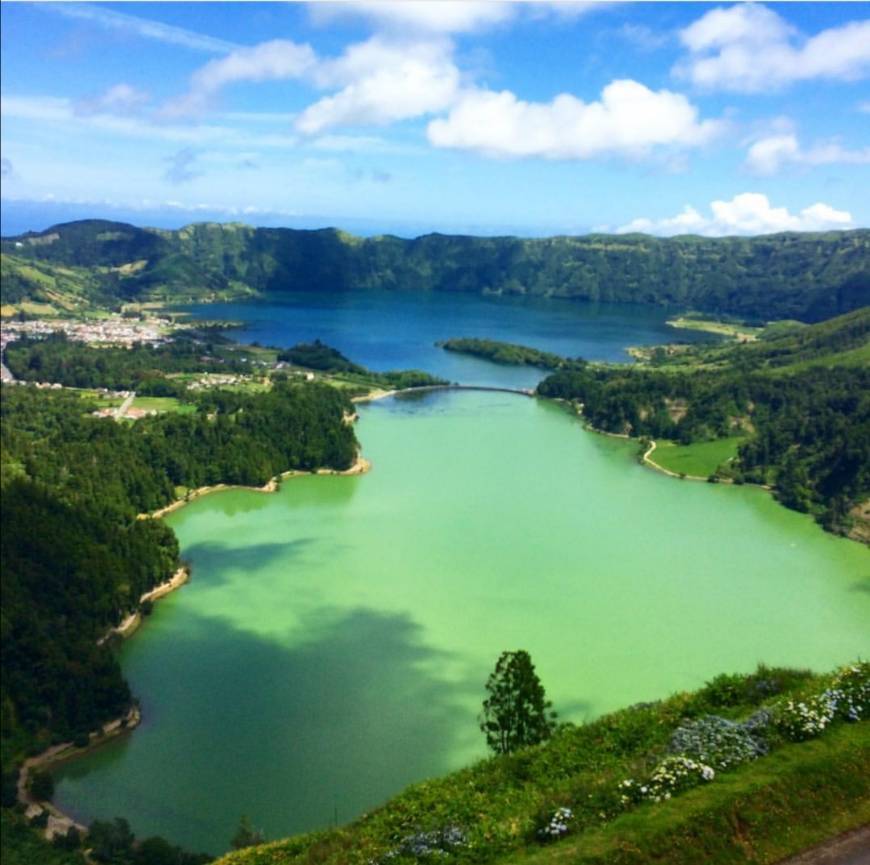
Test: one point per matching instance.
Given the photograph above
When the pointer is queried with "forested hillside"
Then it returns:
(803, 276)
(75, 558)
(801, 399)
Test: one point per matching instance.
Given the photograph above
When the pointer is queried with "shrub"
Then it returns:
(717, 741)
(799, 720)
(851, 692)
(557, 825)
(673, 775)
(421, 845)
(9, 788)
(69, 840)
(42, 786)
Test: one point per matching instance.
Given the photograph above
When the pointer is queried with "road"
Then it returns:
(122, 409)
(850, 848)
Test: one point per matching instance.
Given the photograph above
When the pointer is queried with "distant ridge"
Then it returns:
(805, 276)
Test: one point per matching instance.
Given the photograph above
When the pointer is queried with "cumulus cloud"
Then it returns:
(120, 99)
(276, 60)
(747, 213)
(750, 48)
(628, 120)
(773, 153)
(381, 82)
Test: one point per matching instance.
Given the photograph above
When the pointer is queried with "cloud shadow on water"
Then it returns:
(217, 560)
(292, 736)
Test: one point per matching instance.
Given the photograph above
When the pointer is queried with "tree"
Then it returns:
(246, 835)
(516, 712)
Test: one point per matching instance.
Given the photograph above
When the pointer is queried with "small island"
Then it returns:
(506, 353)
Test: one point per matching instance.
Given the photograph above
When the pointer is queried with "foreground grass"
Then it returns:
(699, 459)
(757, 811)
(795, 798)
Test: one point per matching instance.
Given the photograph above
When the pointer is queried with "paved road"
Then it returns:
(851, 848)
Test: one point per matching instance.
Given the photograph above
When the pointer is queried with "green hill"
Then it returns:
(805, 276)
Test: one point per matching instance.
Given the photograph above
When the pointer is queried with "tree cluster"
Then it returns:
(75, 558)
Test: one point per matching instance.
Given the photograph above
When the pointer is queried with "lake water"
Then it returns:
(334, 641)
(386, 330)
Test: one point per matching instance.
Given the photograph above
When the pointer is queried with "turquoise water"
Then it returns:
(396, 330)
(333, 643)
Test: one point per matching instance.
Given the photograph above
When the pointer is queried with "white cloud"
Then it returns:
(769, 155)
(750, 48)
(747, 213)
(421, 16)
(864, 107)
(166, 33)
(382, 82)
(629, 120)
(277, 60)
(119, 99)
(379, 81)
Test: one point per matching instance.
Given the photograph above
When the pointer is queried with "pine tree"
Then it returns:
(516, 713)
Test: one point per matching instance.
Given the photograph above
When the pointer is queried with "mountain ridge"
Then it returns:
(806, 276)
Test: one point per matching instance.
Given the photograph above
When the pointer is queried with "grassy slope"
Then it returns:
(843, 340)
(699, 459)
(764, 811)
(45, 288)
(777, 805)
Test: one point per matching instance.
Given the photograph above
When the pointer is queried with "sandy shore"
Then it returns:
(129, 625)
(371, 396)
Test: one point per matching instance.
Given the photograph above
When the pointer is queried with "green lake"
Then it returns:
(334, 641)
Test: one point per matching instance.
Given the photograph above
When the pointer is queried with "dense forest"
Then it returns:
(807, 276)
(802, 399)
(503, 352)
(75, 557)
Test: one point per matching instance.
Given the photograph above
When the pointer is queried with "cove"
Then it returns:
(334, 640)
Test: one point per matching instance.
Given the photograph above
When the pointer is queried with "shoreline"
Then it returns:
(59, 822)
(130, 624)
(645, 457)
(360, 467)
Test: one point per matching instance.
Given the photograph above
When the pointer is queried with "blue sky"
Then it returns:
(483, 117)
